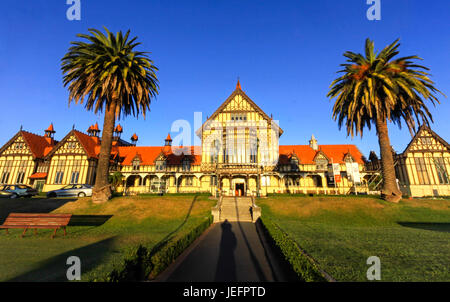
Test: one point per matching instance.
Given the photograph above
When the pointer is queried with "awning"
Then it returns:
(38, 175)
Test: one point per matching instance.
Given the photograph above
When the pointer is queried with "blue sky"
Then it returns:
(286, 54)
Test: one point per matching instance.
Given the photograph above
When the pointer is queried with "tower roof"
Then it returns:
(118, 129)
(134, 137)
(50, 128)
(168, 138)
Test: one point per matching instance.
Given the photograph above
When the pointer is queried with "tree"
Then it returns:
(107, 71)
(115, 179)
(375, 89)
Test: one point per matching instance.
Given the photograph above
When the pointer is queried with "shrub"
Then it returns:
(303, 266)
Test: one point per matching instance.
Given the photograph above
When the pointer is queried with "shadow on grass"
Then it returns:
(429, 226)
(88, 220)
(30, 205)
(54, 269)
(169, 236)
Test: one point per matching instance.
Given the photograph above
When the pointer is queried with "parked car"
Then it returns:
(4, 194)
(72, 190)
(19, 190)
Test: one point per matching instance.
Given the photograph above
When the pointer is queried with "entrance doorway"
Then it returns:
(240, 189)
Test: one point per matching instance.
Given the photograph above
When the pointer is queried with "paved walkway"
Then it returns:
(227, 251)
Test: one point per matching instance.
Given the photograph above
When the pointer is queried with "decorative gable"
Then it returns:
(18, 146)
(70, 146)
(426, 140)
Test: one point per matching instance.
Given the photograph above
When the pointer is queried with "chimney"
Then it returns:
(313, 143)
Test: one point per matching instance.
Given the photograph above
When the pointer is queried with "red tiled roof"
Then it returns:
(148, 155)
(90, 143)
(38, 175)
(38, 145)
(306, 154)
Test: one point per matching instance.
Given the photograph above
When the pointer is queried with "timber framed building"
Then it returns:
(239, 155)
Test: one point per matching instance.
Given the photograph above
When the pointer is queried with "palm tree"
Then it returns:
(375, 89)
(115, 179)
(112, 76)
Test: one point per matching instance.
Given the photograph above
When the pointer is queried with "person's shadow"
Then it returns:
(226, 266)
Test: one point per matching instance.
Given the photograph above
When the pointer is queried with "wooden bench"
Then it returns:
(36, 221)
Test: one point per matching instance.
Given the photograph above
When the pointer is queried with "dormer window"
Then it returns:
(136, 164)
(294, 164)
(160, 165)
(321, 163)
(348, 159)
(186, 164)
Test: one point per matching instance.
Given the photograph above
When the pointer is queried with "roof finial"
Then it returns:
(238, 85)
(21, 128)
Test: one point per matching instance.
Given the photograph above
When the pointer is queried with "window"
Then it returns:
(186, 164)
(59, 172)
(441, 171)
(160, 165)
(422, 171)
(75, 172)
(294, 164)
(214, 152)
(426, 140)
(239, 117)
(189, 180)
(321, 163)
(213, 181)
(19, 146)
(21, 172)
(136, 164)
(6, 171)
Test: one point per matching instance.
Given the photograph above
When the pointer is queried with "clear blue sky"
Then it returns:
(286, 54)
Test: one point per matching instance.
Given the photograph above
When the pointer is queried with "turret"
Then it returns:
(168, 140)
(134, 139)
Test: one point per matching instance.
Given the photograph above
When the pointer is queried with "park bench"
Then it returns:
(36, 221)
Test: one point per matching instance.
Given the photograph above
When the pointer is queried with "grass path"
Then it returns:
(412, 238)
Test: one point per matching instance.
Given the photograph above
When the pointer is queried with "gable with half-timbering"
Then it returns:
(70, 146)
(17, 147)
(427, 141)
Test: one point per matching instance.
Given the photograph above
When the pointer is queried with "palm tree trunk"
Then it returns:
(102, 189)
(390, 190)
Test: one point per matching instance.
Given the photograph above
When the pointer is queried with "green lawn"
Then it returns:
(101, 235)
(412, 238)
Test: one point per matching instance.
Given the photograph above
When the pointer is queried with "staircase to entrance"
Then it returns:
(233, 208)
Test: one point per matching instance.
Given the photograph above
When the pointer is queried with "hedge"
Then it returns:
(304, 266)
(142, 263)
